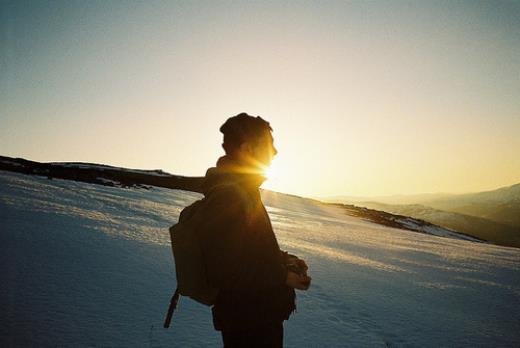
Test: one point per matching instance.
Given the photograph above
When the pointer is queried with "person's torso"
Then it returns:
(243, 306)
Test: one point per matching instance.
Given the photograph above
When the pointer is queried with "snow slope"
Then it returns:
(90, 265)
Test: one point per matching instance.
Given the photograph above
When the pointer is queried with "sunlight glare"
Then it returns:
(271, 172)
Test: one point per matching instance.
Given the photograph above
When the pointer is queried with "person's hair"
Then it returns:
(242, 128)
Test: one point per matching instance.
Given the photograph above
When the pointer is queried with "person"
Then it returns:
(254, 278)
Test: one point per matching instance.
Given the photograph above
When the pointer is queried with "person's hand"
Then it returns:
(302, 264)
(299, 262)
(300, 282)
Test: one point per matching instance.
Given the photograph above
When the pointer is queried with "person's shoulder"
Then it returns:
(229, 193)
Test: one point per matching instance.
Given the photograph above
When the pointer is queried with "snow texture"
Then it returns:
(434, 230)
(90, 266)
(156, 172)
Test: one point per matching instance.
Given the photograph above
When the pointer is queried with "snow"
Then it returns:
(80, 165)
(90, 265)
(16, 164)
(108, 181)
(434, 230)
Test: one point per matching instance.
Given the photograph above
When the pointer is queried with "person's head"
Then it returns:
(249, 140)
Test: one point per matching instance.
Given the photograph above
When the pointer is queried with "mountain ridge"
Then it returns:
(492, 215)
(482, 228)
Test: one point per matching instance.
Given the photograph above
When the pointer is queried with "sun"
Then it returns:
(272, 172)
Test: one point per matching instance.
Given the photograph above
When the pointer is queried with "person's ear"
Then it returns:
(246, 148)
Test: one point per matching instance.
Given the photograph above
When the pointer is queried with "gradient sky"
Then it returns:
(365, 98)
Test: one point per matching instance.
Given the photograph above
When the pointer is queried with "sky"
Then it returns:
(365, 98)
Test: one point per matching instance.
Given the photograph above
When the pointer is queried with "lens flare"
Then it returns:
(271, 172)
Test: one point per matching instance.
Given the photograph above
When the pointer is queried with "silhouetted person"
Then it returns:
(256, 288)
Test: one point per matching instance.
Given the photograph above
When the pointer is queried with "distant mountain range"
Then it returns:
(490, 215)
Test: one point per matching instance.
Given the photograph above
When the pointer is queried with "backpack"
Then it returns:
(191, 275)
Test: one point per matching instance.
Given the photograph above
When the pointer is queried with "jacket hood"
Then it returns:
(229, 171)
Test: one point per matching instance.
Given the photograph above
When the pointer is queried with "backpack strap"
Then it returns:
(173, 305)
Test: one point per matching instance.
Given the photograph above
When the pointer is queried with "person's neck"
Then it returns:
(239, 164)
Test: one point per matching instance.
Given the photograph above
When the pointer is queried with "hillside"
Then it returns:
(90, 265)
(106, 175)
(481, 228)
(501, 205)
(493, 215)
(101, 174)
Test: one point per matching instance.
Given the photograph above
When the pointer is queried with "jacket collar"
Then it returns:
(229, 171)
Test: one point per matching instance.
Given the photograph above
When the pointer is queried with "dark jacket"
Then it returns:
(242, 255)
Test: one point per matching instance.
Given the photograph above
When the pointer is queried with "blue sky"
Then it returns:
(365, 98)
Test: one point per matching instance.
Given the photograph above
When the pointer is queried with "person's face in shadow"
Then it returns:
(258, 154)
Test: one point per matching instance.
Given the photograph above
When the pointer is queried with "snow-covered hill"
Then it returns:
(488, 230)
(90, 265)
(491, 215)
(103, 174)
